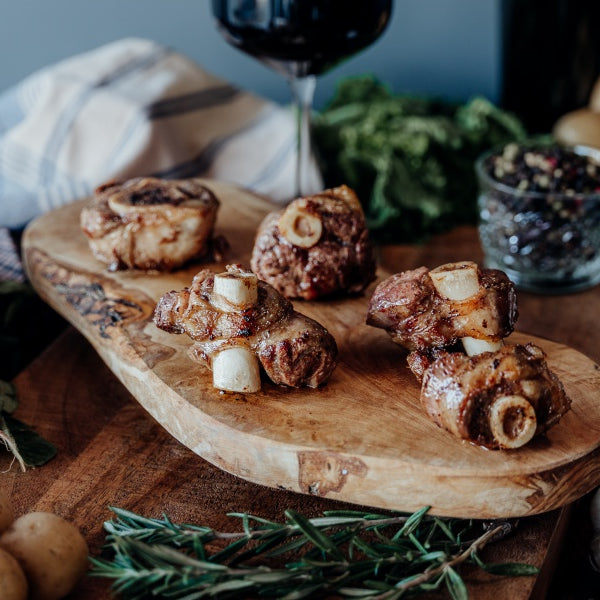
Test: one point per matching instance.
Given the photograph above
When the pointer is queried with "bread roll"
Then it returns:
(594, 103)
(579, 128)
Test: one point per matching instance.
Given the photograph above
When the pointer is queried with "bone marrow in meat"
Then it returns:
(496, 399)
(453, 320)
(238, 322)
(424, 309)
(317, 246)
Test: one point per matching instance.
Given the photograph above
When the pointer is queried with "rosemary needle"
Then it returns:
(344, 553)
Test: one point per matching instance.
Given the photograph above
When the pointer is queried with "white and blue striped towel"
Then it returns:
(131, 108)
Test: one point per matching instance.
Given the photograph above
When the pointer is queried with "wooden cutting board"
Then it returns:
(362, 438)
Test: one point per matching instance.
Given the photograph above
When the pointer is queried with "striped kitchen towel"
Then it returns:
(131, 108)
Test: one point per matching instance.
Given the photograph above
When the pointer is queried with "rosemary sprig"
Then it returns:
(347, 553)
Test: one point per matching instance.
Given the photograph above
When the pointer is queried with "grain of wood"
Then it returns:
(363, 438)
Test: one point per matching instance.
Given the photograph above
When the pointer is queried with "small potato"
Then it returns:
(7, 515)
(13, 584)
(51, 551)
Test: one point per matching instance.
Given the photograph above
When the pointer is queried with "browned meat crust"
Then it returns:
(408, 306)
(458, 391)
(148, 223)
(297, 352)
(341, 261)
(500, 397)
(293, 349)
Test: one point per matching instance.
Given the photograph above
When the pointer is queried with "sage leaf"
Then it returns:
(33, 449)
(8, 440)
(8, 397)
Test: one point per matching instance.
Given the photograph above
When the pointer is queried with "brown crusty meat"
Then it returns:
(293, 349)
(409, 307)
(453, 320)
(318, 246)
(495, 399)
(148, 223)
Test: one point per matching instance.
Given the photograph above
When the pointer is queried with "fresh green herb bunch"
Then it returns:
(410, 159)
(343, 554)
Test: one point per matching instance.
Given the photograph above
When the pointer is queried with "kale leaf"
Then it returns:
(410, 159)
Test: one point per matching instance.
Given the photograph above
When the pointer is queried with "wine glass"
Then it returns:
(301, 39)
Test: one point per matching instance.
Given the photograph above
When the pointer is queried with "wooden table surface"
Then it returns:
(112, 453)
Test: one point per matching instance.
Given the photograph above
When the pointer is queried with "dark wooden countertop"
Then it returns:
(110, 452)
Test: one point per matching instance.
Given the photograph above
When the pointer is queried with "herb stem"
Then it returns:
(347, 553)
(433, 572)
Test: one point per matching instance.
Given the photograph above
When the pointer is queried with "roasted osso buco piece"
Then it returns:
(453, 321)
(317, 246)
(150, 224)
(238, 322)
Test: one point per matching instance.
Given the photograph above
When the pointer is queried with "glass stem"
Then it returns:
(303, 89)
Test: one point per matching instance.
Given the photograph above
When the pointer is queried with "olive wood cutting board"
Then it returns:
(362, 438)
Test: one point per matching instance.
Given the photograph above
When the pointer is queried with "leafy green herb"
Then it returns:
(28, 448)
(26, 326)
(34, 450)
(347, 553)
(8, 397)
(410, 160)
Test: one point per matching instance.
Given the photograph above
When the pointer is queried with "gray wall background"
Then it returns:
(448, 48)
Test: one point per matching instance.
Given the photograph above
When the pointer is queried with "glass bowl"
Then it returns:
(545, 241)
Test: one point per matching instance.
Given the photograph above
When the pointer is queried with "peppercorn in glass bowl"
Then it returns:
(539, 209)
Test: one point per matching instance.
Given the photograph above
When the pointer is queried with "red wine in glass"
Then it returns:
(302, 39)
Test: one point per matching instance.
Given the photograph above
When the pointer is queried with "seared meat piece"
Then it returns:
(420, 360)
(318, 246)
(410, 307)
(148, 223)
(495, 399)
(297, 352)
(494, 395)
(191, 311)
(255, 321)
